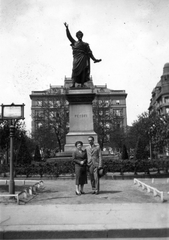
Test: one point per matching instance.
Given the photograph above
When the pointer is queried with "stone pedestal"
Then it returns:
(80, 117)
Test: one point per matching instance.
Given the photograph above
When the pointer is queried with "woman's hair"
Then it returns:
(78, 142)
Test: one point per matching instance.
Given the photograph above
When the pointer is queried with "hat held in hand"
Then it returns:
(101, 172)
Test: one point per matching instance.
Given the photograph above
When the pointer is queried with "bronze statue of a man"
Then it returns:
(81, 58)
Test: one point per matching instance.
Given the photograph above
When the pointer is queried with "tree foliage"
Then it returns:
(124, 153)
(24, 155)
(37, 155)
(20, 139)
(141, 150)
(51, 124)
(108, 125)
(149, 129)
(4, 135)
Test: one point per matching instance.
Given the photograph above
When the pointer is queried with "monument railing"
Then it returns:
(149, 189)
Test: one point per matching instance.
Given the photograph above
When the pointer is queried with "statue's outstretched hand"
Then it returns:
(66, 25)
(97, 60)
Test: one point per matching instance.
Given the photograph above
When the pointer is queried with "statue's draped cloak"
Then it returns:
(81, 60)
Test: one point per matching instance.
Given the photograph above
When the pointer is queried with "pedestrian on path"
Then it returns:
(80, 160)
(94, 162)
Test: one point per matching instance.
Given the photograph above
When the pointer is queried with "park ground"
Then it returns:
(121, 210)
(62, 191)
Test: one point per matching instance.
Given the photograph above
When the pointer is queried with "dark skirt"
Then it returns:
(81, 175)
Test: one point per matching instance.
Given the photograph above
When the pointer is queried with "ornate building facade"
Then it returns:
(160, 95)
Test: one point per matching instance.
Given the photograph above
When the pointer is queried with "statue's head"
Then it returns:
(79, 35)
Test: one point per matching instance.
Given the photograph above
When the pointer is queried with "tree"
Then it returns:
(52, 124)
(4, 134)
(141, 150)
(159, 132)
(138, 134)
(30, 144)
(23, 156)
(4, 139)
(117, 135)
(124, 153)
(100, 122)
(37, 156)
(19, 135)
(151, 133)
(108, 125)
(45, 137)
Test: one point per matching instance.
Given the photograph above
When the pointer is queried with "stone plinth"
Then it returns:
(80, 117)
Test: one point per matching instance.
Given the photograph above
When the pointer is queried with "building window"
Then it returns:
(118, 112)
(108, 125)
(39, 125)
(39, 114)
(52, 114)
(38, 103)
(56, 103)
(167, 110)
(100, 112)
(100, 101)
(51, 104)
(166, 100)
(106, 104)
(117, 102)
(101, 124)
(107, 113)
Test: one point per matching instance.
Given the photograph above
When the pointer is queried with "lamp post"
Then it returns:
(150, 133)
(11, 180)
(150, 143)
(150, 150)
(12, 112)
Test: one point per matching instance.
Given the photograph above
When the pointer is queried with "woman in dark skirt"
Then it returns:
(80, 160)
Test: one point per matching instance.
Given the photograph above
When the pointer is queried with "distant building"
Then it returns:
(160, 95)
(110, 101)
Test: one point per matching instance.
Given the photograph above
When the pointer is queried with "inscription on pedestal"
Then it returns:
(81, 115)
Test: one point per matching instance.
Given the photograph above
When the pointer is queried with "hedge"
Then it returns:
(59, 167)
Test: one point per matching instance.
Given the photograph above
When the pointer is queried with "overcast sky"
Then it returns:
(130, 36)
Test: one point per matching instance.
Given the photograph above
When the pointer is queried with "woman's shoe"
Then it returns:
(82, 192)
(77, 193)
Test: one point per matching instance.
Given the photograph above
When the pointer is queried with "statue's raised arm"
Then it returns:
(69, 36)
(66, 25)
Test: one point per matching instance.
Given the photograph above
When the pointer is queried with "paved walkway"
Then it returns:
(122, 209)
